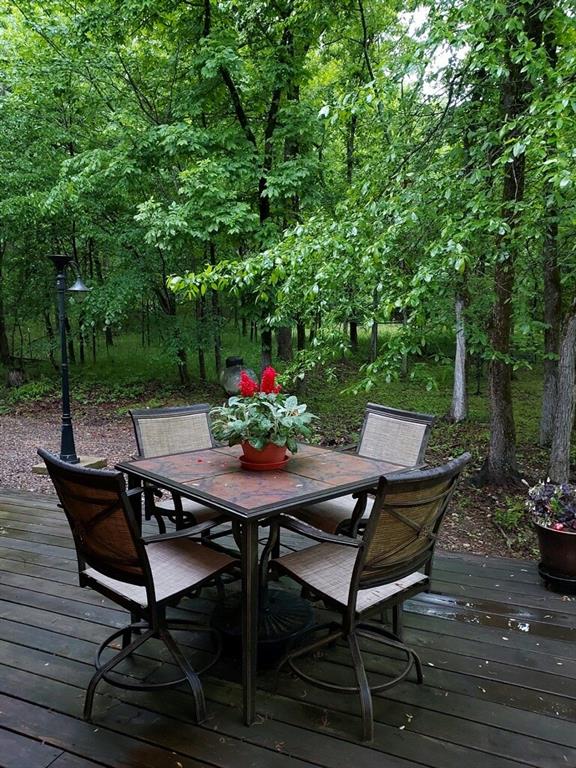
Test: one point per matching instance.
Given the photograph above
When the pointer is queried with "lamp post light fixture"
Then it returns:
(61, 262)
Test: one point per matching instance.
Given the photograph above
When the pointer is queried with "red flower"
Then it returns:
(268, 385)
(248, 387)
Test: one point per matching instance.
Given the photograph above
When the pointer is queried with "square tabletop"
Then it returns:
(215, 477)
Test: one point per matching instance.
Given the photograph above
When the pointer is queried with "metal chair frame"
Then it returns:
(149, 621)
(356, 623)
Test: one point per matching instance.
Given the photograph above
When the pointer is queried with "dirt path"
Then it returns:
(20, 436)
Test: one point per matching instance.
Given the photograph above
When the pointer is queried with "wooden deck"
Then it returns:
(498, 652)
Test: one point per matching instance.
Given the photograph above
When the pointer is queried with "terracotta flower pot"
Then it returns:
(558, 551)
(270, 454)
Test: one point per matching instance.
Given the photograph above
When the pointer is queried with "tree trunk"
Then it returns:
(312, 331)
(266, 347)
(300, 336)
(374, 341)
(216, 318)
(93, 343)
(552, 315)
(404, 364)
(500, 466)
(81, 340)
(479, 368)
(51, 342)
(201, 364)
(559, 468)
(284, 339)
(71, 350)
(108, 336)
(183, 366)
(200, 314)
(552, 284)
(4, 343)
(459, 407)
(217, 336)
(353, 335)
(143, 323)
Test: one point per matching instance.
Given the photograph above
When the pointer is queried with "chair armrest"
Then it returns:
(184, 533)
(293, 524)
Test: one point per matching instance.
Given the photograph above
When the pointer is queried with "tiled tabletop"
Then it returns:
(215, 476)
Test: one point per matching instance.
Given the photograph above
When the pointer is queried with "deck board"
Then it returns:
(497, 648)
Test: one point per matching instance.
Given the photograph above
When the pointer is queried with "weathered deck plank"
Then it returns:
(499, 687)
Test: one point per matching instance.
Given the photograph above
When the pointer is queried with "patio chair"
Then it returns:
(143, 575)
(399, 437)
(162, 431)
(362, 577)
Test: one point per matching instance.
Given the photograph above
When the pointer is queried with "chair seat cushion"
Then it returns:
(176, 566)
(327, 568)
(199, 512)
(330, 516)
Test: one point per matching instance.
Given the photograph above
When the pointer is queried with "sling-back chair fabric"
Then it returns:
(398, 542)
(399, 437)
(92, 501)
(330, 515)
(174, 566)
(406, 515)
(172, 430)
(164, 431)
(329, 569)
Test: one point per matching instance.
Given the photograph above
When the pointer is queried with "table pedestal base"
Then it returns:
(284, 617)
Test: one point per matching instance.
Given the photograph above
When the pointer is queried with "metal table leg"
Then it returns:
(249, 562)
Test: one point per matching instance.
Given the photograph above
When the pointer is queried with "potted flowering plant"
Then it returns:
(262, 419)
(553, 510)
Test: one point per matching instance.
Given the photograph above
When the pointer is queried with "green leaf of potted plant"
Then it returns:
(262, 419)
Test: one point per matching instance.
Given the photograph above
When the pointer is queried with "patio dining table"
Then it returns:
(215, 478)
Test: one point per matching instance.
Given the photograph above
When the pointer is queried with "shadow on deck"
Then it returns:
(497, 648)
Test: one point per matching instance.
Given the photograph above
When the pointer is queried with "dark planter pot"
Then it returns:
(558, 552)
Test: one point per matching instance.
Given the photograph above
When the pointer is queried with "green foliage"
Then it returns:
(261, 419)
(311, 163)
(31, 392)
(515, 524)
(512, 516)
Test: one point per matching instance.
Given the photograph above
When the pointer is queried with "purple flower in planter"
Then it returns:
(553, 505)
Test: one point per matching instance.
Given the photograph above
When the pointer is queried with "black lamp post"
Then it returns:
(61, 262)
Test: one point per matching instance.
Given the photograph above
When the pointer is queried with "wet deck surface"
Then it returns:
(498, 652)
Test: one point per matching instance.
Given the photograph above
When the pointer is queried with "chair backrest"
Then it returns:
(397, 436)
(102, 522)
(162, 431)
(403, 525)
